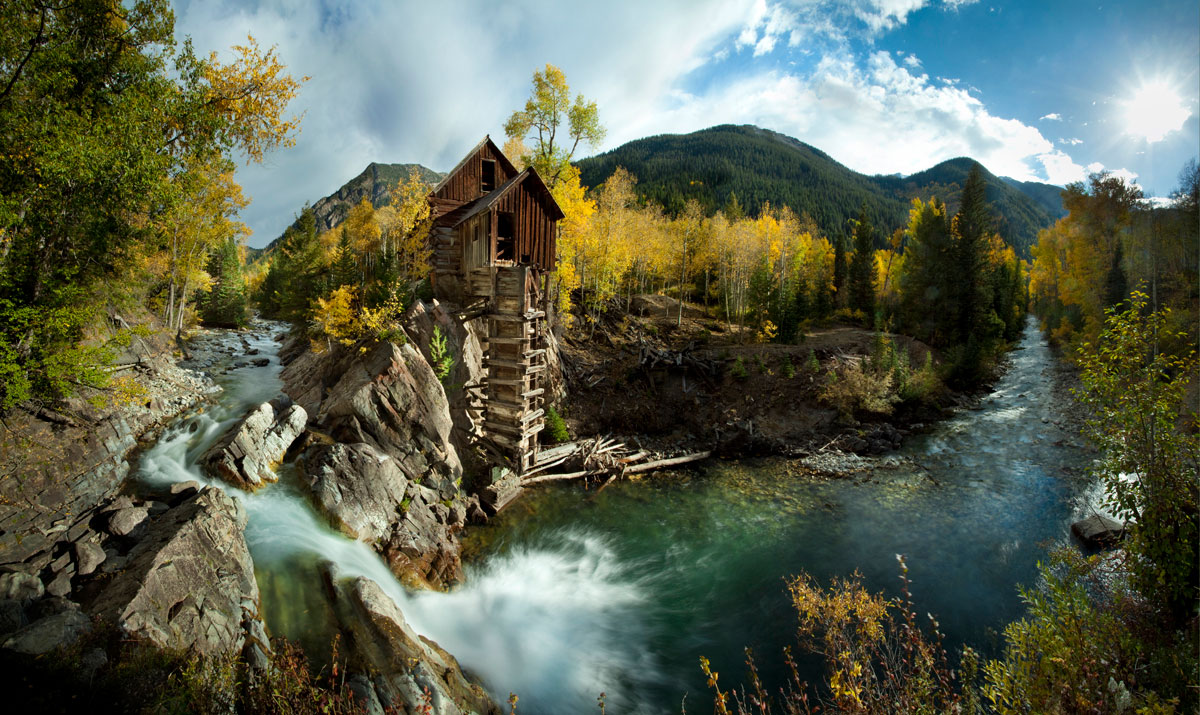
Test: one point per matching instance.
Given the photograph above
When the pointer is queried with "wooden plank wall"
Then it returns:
(536, 233)
(464, 185)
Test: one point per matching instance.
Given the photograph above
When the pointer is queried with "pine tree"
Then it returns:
(969, 228)
(1116, 289)
(862, 266)
(225, 304)
(344, 271)
(839, 270)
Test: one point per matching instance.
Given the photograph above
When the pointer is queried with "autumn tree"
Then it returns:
(552, 125)
(100, 112)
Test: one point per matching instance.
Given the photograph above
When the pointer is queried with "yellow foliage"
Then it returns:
(253, 91)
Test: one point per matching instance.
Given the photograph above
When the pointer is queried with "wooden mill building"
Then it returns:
(494, 244)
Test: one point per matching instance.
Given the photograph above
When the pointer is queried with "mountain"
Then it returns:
(761, 166)
(1048, 195)
(374, 183)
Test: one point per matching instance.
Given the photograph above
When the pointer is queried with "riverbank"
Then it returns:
(705, 385)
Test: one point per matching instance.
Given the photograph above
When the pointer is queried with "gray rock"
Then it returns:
(388, 398)
(20, 586)
(61, 585)
(405, 663)
(370, 498)
(246, 454)
(185, 489)
(12, 615)
(46, 634)
(88, 556)
(186, 580)
(124, 522)
(91, 661)
(1096, 531)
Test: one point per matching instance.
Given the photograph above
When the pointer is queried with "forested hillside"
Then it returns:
(374, 183)
(760, 166)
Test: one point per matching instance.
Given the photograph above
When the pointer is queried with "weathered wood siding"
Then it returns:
(535, 232)
(464, 185)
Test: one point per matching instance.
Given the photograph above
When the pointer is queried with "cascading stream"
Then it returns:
(577, 594)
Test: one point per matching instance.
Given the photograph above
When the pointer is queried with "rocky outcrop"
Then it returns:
(1098, 531)
(57, 466)
(246, 455)
(369, 497)
(464, 340)
(396, 666)
(388, 398)
(189, 582)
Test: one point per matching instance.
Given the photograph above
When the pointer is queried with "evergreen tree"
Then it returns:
(970, 226)
(839, 270)
(733, 210)
(1116, 289)
(344, 271)
(225, 304)
(927, 283)
(297, 273)
(862, 266)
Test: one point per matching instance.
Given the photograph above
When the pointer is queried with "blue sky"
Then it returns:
(1045, 91)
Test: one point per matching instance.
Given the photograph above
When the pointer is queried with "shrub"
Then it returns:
(813, 365)
(787, 369)
(854, 389)
(739, 369)
(439, 354)
(556, 426)
(1149, 467)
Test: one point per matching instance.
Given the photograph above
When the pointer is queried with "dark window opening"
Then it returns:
(506, 242)
(488, 178)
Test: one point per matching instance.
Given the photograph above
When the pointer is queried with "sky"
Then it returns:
(1035, 90)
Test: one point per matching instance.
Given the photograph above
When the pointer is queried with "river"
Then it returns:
(570, 593)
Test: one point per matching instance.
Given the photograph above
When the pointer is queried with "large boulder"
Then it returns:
(370, 497)
(189, 583)
(246, 455)
(388, 398)
(1098, 531)
(403, 666)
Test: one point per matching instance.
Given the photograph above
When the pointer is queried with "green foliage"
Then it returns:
(787, 369)
(812, 365)
(297, 273)
(439, 355)
(102, 118)
(759, 166)
(1086, 646)
(862, 266)
(556, 427)
(738, 370)
(225, 304)
(1146, 431)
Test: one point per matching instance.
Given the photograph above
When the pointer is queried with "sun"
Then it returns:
(1153, 111)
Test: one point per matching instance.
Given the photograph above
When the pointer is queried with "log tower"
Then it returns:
(493, 240)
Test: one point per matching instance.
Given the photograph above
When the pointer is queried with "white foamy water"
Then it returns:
(557, 625)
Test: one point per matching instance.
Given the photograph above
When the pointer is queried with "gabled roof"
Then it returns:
(485, 202)
(487, 140)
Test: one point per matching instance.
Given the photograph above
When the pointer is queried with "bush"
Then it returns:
(739, 369)
(556, 427)
(854, 389)
(787, 369)
(439, 353)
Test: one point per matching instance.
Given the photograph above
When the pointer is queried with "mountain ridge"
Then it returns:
(760, 165)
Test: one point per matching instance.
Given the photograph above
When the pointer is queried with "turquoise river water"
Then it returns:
(571, 593)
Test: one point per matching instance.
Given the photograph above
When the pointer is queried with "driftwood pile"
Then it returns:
(599, 457)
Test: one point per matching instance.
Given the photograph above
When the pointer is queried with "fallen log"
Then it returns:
(673, 461)
(625, 469)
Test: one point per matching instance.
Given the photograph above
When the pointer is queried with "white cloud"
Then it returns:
(1052, 116)
(1073, 141)
(423, 82)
